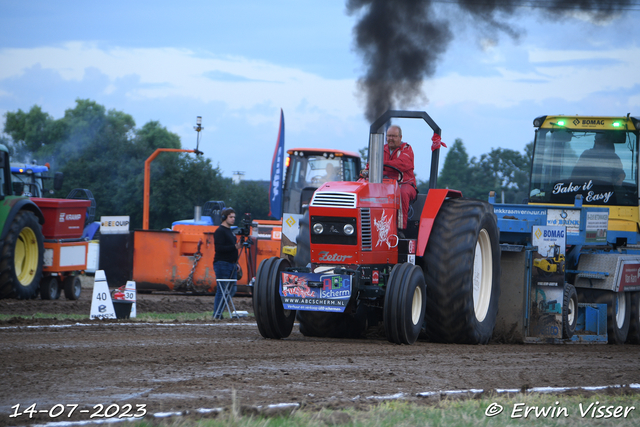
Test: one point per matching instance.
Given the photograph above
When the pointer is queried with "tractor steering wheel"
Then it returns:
(400, 173)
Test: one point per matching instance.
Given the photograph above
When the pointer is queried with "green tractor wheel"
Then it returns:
(21, 257)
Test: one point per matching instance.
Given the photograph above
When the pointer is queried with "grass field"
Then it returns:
(519, 409)
(140, 317)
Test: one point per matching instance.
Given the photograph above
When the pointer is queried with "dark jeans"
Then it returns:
(223, 270)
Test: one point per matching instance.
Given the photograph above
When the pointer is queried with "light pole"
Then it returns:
(198, 127)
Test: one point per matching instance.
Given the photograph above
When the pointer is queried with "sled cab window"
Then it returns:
(600, 165)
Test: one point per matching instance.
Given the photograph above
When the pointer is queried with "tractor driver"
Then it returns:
(399, 155)
(600, 163)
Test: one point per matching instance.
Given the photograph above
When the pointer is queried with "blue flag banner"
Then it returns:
(277, 169)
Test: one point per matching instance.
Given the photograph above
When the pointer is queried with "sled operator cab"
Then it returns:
(352, 269)
(594, 159)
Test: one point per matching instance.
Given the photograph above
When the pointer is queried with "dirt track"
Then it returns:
(178, 367)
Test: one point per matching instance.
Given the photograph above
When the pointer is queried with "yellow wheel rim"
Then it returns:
(26, 256)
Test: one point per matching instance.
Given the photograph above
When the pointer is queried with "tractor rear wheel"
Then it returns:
(405, 303)
(49, 288)
(569, 311)
(462, 272)
(21, 257)
(72, 287)
(273, 320)
(634, 325)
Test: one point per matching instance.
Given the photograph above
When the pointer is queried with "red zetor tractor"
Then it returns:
(443, 278)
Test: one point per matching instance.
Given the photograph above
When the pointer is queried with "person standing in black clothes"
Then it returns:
(226, 258)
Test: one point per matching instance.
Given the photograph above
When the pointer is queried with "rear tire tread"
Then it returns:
(448, 271)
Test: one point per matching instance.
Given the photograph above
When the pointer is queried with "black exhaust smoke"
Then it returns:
(402, 40)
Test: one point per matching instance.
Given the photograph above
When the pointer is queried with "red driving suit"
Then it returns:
(402, 158)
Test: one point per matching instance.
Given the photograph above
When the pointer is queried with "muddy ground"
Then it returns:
(201, 364)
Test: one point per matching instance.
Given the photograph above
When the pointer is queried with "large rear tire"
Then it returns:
(462, 272)
(21, 257)
(273, 320)
(634, 324)
(405, 303)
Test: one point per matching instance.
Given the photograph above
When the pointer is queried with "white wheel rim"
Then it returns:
(571, 311)
(416, 305)
(621, 309)
(482, 275)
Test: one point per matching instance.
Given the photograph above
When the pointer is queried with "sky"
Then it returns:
(238, 64)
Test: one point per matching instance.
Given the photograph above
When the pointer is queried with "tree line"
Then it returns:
(501, 170)
(104, 152)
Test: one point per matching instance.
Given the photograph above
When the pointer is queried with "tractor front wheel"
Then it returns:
(462, 271)
(21, 257)
(404, 304)
(273, 320)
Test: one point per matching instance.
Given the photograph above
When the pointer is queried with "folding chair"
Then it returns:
(227, 300)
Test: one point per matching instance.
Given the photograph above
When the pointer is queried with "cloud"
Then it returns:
(240, 83)
(569, 74)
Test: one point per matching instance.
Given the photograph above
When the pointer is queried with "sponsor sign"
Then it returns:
(569, 218)
(315, 292)
(596, 227)
(630, 277)
(114, 225)
(547, 281)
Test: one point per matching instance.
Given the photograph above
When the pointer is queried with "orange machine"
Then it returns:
(182, 258)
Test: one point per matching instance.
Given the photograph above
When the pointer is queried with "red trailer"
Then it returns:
(65, 252)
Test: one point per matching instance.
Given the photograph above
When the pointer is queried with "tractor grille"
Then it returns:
(365, 233)
(333, 199)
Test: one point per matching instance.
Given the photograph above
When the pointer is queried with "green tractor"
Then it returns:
(21, 241)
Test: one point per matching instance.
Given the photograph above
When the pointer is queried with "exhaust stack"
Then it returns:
(376, 159)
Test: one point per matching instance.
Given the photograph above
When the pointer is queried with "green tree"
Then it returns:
(500, 170)
(104, 152)
(31, 132)
(364, 154)
(455, 172)
(251, 197)
(503, 171)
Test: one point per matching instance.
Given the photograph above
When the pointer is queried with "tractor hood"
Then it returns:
(360, 194)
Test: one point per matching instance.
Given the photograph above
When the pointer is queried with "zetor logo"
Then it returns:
(325, 256)
(69, 217)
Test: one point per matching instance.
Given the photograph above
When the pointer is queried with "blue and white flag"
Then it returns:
(277, 169)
